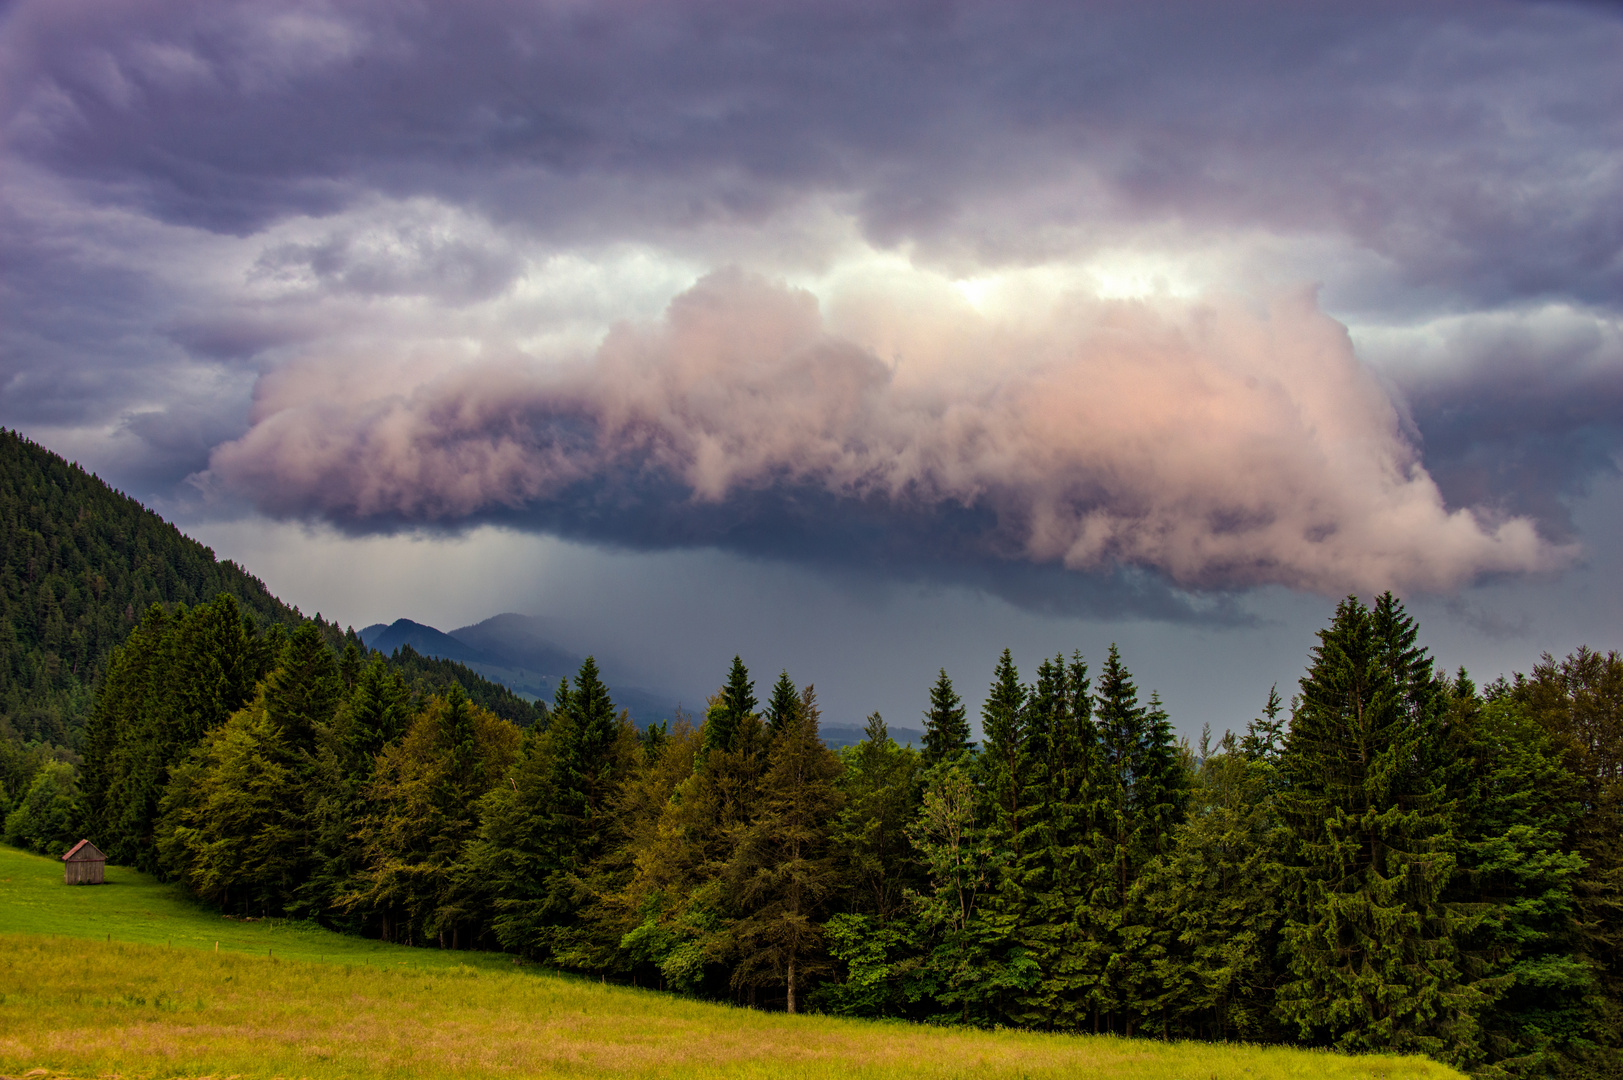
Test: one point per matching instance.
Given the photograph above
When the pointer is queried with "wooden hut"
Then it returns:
(84, 865)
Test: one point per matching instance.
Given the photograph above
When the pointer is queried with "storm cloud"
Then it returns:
(1215, 445)
(1049, 299)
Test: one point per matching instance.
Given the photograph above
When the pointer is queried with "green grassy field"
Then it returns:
(124, 980)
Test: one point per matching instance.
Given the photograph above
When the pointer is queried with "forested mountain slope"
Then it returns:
(80, 564)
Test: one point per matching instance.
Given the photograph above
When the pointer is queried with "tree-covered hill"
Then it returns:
(80, 564)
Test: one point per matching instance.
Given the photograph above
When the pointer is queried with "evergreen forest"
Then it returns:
(1394, 858)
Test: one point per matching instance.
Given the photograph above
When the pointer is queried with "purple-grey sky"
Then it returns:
(858, 338)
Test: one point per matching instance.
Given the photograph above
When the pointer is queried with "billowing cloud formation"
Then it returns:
(1211, 444)
(207, 200)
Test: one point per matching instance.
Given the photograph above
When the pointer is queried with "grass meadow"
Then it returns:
(124, 980)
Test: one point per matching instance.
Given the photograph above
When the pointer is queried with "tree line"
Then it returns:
(1395, 860)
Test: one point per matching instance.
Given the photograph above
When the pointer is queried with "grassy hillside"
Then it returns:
(124, 979)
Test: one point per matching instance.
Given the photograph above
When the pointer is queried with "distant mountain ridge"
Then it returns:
(516, 651)
(425, 639)
(511, 649)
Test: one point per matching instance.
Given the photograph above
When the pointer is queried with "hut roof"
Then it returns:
(84, 851)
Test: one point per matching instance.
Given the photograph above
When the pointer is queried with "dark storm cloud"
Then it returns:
(1476, 148)
(159, 264)
(1215, 448)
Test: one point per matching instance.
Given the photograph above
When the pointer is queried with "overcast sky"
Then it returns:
(857, 338)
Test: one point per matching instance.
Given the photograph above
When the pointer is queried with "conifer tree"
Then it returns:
(304, 691)
(729, 710)
(781, 707)
(687, 926)
(178, 676)
(1005, 760)
(544, 830)
(1010, 765)
(1366, 934)
(946, 726)
(1121, 723)
(1059, 864)
(784, 870)
(373, 715)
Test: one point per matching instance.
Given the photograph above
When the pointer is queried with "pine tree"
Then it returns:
(687, 885)
(1121, 724)
(1005, 760)
(590, 750)
(729, 710)
(304, 691)
(784, 869)
(373, 716)
(946, 726)
(1059, 863)
(1367, 935)
(781, 707)
(178, 676)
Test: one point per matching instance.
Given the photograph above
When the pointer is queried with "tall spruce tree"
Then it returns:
(728, 711)
(304, 691)
(544, 829)
(1005, 760)
(179, 675)
(946, 725)
(1368, 937)
(1122, 723)
(1059, 865)
(373, 715)
(688, 928)
(784, 869)
(780, 708)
